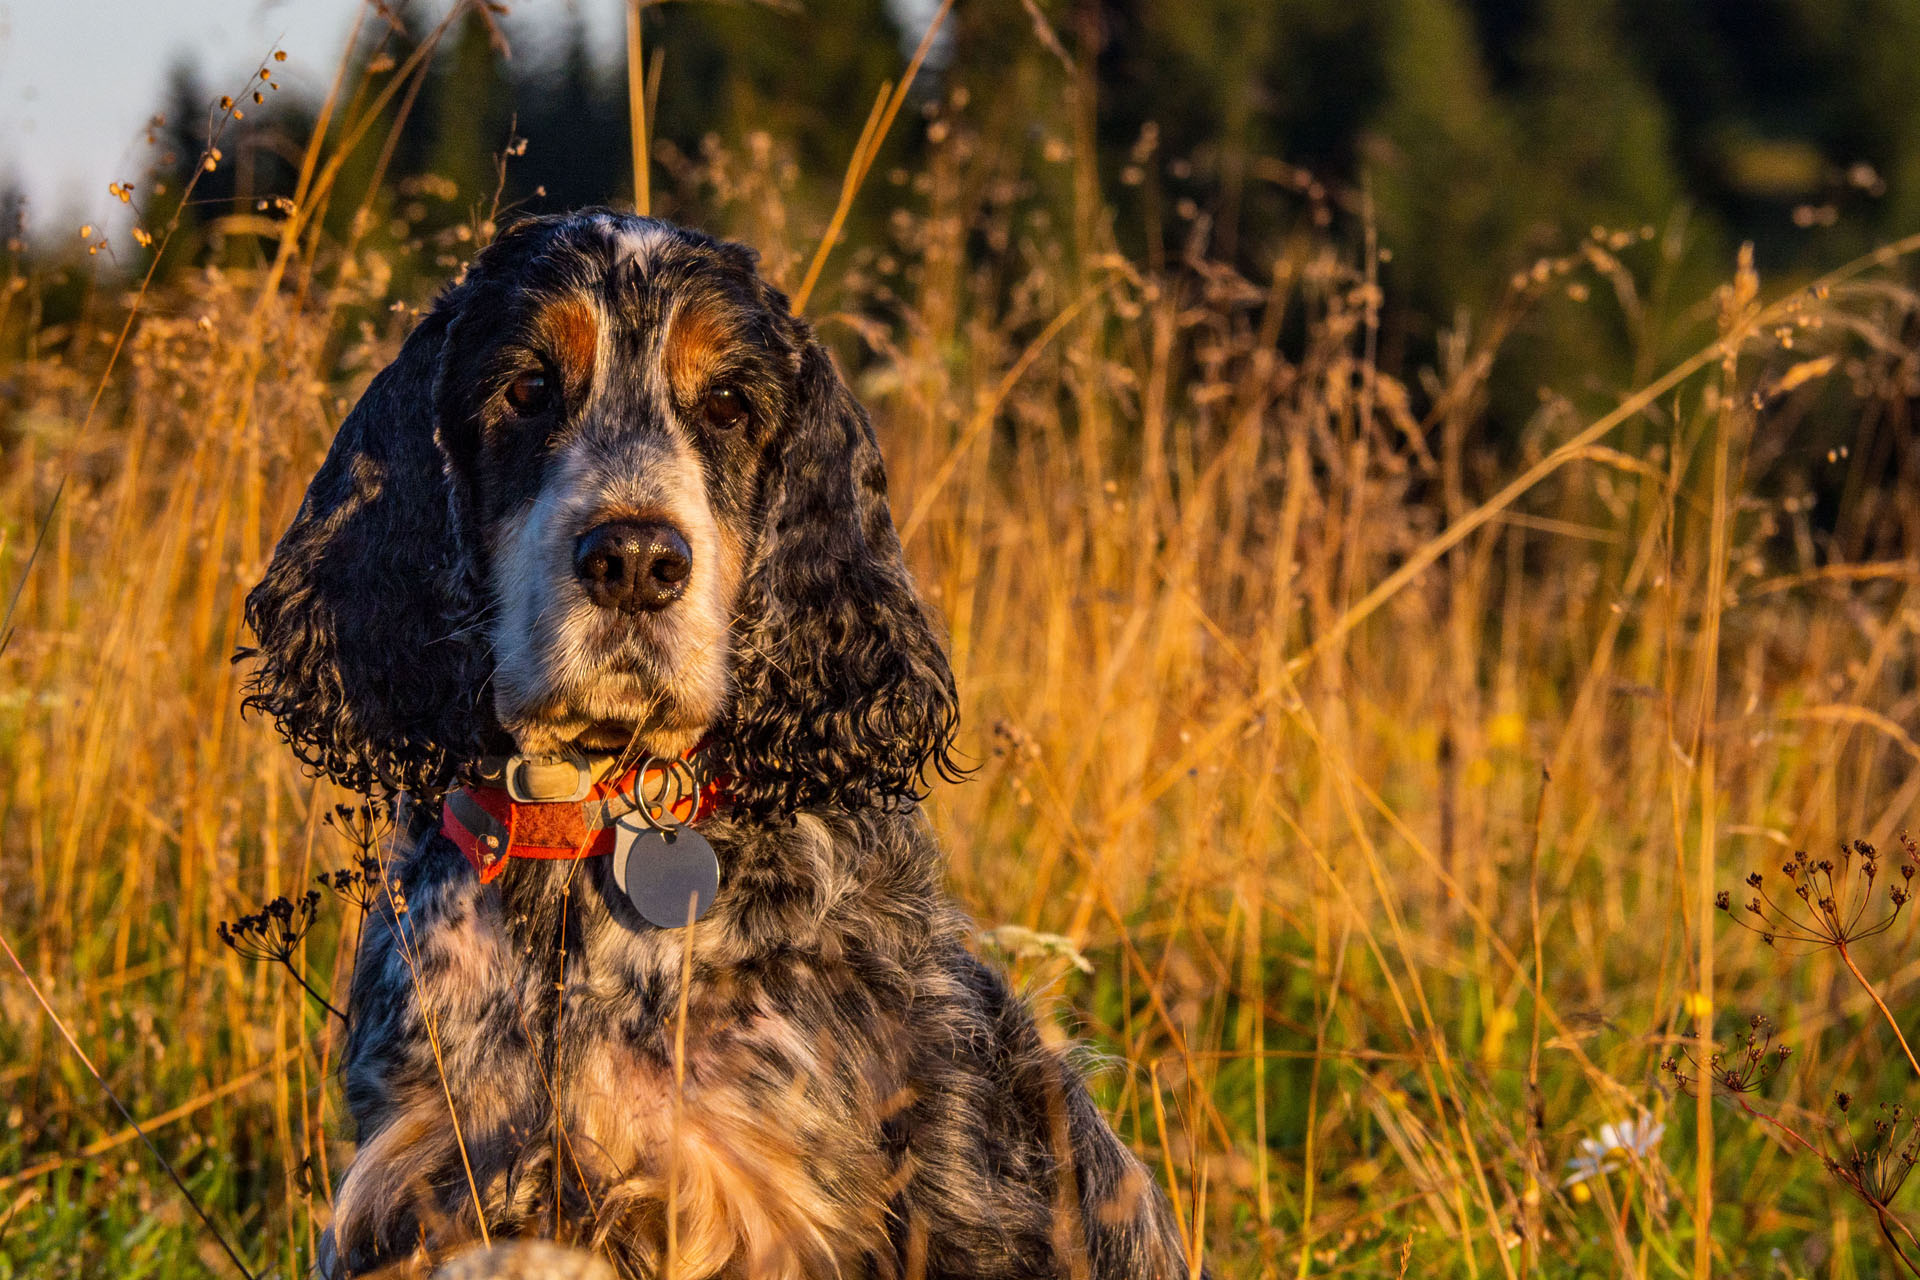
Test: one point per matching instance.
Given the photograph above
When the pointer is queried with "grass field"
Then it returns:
(1382, 777)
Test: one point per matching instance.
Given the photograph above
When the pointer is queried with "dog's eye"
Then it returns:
(530, 393)
(725, 407)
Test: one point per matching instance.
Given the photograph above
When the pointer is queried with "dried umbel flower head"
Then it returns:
(358, 884)
(366, 826)
(363, 825)
(275, 931)
(1753, 1060)
(1826, 902)
(1877, 1170)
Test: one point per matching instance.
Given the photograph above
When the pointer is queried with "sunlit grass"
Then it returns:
(1306, 716)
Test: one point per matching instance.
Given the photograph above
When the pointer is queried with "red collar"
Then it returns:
(491, 824)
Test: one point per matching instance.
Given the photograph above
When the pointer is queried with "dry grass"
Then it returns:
(1383, 777)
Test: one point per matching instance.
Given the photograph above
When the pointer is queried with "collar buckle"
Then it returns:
(526, 786)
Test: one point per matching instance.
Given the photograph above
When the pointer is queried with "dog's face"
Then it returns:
(612, 494)
(605, 407)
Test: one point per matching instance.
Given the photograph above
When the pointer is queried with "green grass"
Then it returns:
(1266, 661)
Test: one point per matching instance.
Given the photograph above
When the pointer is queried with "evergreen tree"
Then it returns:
(1441, 154)
(576, 129)
(1594, 134)
(1883, 110)
(469, 107)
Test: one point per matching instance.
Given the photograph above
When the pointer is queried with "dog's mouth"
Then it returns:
(609, 737)
(648, 700)
(625, 738)
(616, 725)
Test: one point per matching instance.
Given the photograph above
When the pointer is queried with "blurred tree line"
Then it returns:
(1474, 135)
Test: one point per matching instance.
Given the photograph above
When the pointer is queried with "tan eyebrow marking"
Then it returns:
(571, 330)
(697, 336)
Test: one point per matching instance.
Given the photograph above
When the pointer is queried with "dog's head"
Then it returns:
(612, 494)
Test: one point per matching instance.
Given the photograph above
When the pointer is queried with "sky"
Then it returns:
(79, 79)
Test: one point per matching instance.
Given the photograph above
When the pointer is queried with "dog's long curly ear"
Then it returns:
(842, 692)
(365, 657)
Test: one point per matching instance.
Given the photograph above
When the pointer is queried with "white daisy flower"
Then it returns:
(1635, 1139)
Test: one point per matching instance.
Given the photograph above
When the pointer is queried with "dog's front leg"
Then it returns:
(436, 1069)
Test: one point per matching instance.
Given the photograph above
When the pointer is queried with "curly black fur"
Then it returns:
(367, 658)
(846, 697)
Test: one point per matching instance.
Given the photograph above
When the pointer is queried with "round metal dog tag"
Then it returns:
(662, 871)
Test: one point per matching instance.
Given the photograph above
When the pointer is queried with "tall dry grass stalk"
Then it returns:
(637, 111)
(1266, 654)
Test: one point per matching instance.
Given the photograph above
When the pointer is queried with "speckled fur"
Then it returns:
(862, 1097)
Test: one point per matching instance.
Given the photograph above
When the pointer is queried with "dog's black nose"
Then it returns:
(631, 567)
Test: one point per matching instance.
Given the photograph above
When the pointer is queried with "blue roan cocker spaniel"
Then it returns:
(600, 574)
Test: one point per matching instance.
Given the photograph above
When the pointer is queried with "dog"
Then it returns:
(602, 564)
